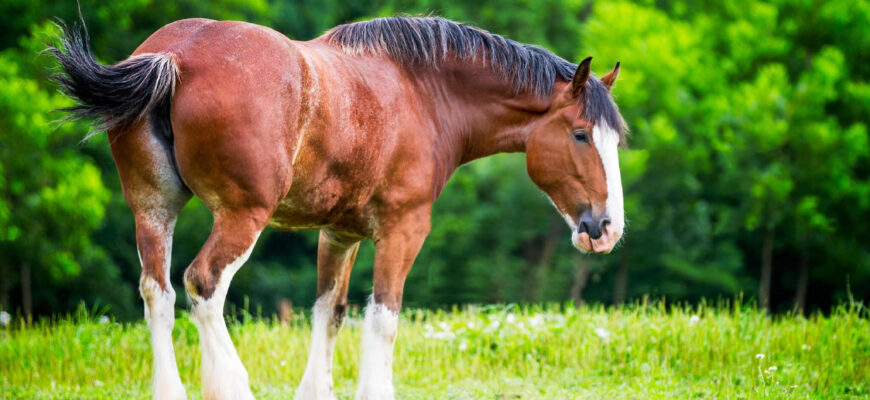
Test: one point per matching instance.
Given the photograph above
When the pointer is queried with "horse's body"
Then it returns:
(354, 133)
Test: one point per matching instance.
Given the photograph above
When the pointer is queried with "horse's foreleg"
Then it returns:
(395, 251)
(335, 257)
(206, 281)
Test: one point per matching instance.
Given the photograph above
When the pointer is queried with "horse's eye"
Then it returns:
(581, 136)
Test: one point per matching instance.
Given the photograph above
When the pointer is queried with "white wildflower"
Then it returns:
(428, 328)
(282, 363)
(805, 347)
(463, 346)
(104, 319)
(444, 334)
(98, 383)
(771, 368)
(694, 320)
(602, 333)
(494, 325)
(535, 321)
(511, 318)
(5, 317)
(759, 356)
(440, 335)
(470, 325)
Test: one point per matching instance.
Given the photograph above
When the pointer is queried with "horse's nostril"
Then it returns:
(589, 225)
(604, 222)
(583, 228)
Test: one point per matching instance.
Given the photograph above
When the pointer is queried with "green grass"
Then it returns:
(504, 352)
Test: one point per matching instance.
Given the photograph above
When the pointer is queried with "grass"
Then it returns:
(501, 352)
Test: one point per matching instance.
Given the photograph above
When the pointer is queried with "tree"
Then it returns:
(52, 199)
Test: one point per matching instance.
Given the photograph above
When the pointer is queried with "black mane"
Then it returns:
(429, 41)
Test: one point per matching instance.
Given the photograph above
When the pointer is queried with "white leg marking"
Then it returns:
(607, 142)
(160, 315)
(223, 375)
(317, 381)
(376, 368)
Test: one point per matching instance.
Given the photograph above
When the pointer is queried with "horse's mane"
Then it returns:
(429, 41)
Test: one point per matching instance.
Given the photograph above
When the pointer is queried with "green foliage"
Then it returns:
(749, 119)
(739, 136)
(53, 199)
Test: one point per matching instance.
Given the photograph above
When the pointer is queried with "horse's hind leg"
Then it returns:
(207, 280)
(230, 124)
(241, 199)
(156, 195)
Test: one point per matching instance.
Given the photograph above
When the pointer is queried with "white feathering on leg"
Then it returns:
(160, 315)
(317, 381)
(223, 375)
(376, 368)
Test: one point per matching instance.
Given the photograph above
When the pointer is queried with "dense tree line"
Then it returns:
(748, 170)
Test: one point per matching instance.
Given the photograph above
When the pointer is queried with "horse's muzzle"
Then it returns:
(607, 239)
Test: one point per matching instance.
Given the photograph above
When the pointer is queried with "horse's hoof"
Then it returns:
(312, 392)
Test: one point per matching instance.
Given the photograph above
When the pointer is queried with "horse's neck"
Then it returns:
(476, 111)
(481, 113)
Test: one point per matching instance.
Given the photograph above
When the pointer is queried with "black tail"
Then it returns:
(119, 95)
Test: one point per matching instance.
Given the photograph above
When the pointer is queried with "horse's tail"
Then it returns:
(119, 95)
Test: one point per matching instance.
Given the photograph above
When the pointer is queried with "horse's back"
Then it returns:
(249, 99)
(171, 34)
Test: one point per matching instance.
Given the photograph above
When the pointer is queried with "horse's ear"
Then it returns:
(609, 79)
(578, 84)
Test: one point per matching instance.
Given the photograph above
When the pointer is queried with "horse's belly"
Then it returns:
(293, 216)
(296, 214)
(295, 222)
(285, 225)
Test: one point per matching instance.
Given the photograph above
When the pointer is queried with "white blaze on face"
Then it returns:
(607, 142)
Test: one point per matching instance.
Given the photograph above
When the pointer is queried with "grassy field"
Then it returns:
(504, 352)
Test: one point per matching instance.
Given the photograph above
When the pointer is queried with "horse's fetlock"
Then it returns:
(338, 312)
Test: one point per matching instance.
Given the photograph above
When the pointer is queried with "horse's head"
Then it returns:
(572, 156)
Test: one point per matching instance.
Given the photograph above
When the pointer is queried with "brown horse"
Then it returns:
(354, 133)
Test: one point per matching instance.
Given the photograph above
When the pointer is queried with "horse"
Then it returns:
(354, 133)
